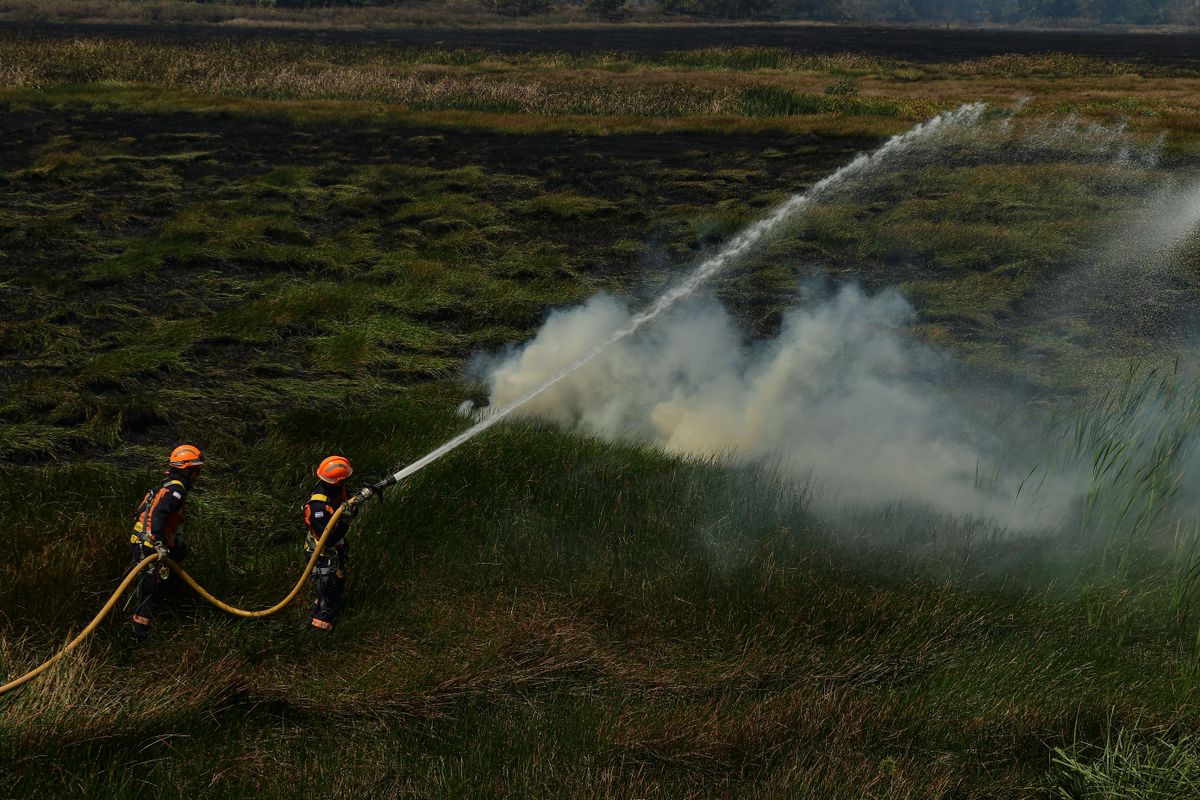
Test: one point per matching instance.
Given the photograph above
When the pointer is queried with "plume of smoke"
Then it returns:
(897, 147)
(841, 395)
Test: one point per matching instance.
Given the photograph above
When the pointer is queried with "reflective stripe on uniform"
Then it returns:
(319, 497)
(322, 624)
(140, 620)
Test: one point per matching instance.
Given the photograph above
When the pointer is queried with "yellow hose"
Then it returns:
(83, 634)
(266, 612)
(190, 581)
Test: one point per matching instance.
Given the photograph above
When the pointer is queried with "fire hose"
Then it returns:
(966, 115)
(131, 576)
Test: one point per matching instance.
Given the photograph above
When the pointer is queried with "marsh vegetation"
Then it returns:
(281, 251)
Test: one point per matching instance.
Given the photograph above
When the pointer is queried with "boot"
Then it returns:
(140, 631)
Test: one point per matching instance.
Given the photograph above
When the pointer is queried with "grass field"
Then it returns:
(283, 250)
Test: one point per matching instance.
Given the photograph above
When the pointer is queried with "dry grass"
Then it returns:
(746, 90)
(540, 86)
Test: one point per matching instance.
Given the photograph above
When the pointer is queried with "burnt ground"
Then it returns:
(649, 173)
(927, 45)
(678, 193)
(176, 217)
(586, 162)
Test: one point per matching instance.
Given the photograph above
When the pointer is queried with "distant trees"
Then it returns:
(1120, 12)
(604, 8)
(1013, 11)
(729, 9)
(517, 8)
(740, 9)
(511, 7)
(810, 9)
(321, 3)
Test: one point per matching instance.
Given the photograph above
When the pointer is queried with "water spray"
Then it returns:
(962, 117)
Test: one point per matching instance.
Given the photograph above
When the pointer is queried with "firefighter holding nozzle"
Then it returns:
(329, 571)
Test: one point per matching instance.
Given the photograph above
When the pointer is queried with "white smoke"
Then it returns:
(841, 395)
(933, 140)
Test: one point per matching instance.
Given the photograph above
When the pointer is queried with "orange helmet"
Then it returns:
(335, 469)
(187, 455)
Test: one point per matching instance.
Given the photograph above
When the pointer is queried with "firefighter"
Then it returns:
(156, 529)
(329, 572)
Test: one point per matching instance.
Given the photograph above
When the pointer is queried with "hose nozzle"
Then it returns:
(374, 490)
(390, 480)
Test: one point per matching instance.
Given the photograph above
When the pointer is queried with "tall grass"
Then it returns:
(1137, 441)
(1127, 767)
(548, 606)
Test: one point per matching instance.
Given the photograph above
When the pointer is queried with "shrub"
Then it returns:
(774, 101)
(842, 88)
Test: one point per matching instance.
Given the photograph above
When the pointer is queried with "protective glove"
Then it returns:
(350, 509)
(161, 549)
(376, 491)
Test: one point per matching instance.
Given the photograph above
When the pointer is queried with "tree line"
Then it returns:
(1008, 12)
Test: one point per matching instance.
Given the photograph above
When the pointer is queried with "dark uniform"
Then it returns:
(157, 525)
(329, 573)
